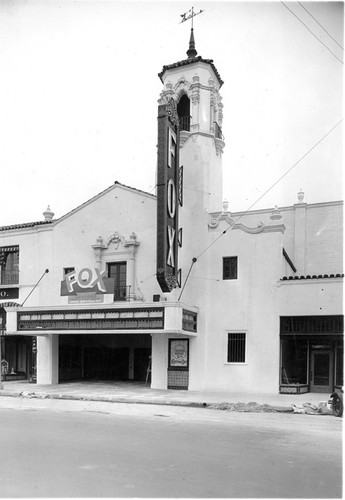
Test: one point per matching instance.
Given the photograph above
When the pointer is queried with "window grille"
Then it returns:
(236, 347)
(189, 321)
(9, 265)
(229, 268)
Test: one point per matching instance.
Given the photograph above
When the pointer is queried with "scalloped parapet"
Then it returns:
(215, 219)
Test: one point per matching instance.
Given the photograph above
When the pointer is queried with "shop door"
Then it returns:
(321, 371)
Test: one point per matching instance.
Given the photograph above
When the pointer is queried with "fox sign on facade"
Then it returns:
(168, 198)
(86, 280)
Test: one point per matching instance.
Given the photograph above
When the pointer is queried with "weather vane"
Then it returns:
(190, 14)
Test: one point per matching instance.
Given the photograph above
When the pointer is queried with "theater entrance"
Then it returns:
(112, 357)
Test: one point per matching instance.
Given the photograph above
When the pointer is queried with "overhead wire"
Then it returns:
(324, 29)
(260, 197)
(310, 31)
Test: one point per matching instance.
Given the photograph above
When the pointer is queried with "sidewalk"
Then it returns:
(136, 392)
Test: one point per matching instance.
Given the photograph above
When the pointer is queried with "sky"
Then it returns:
(79, 88)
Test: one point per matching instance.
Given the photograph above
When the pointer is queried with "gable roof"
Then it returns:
(116, 184)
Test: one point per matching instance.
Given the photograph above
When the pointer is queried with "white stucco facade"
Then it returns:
(287, 263)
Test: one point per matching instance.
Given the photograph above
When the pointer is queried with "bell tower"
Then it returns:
(190, 146)
(194, 84)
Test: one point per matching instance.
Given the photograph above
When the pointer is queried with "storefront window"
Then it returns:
(294, 366)
(339, 367)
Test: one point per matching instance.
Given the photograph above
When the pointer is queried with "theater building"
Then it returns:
(174, 289)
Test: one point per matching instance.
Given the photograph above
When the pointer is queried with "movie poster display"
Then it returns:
(178, 354)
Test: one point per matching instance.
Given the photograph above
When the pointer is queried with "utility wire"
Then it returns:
(274, 184)
(255, 202)
(150, 193)
(321, 26)
(317, 38)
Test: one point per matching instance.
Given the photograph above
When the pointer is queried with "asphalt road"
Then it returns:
(75, 449)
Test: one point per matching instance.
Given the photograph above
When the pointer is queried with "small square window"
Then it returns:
(236, 348)
(229, 268)
(67, 270)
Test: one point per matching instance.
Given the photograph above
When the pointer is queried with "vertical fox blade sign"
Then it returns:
(167, 196)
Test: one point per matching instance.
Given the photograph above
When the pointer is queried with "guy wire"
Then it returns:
(260, 197)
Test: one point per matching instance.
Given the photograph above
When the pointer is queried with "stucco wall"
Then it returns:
(247, 304)
(310, 297)
(318, 227)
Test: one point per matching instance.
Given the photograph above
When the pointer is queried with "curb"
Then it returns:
(107, 399)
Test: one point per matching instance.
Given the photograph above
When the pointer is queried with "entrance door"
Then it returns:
(321, 370)
(141, 363)
(104, 363)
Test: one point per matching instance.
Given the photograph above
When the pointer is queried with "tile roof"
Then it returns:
(9, 304)
(192, 60)
(311, 277)
(25, 225)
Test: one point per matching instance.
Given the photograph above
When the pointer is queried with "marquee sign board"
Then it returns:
(167, 197)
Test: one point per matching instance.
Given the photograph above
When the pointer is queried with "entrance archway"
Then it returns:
(108, 357)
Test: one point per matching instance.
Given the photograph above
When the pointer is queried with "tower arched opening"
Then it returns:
(183, 111)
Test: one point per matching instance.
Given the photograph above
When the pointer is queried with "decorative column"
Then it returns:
(195, 99)
(98, 247)
(131, 245)
(33, 377)
(220, 110)
(47, 359)
(300, 234)
(212, 106)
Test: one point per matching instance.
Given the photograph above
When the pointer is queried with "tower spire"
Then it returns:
(191, 52)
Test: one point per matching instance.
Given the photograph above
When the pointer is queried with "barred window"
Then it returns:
(9, 265)
(229, 268)
(236, 347)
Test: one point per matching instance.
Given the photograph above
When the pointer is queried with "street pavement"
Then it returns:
(136, 392)
(73, 448)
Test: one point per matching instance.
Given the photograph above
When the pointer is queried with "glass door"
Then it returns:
(321, 371)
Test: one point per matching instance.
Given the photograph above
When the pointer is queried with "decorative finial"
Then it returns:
(190, 14)
(225, 205)
(48, 214)
(275, 215)
(300, 196)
